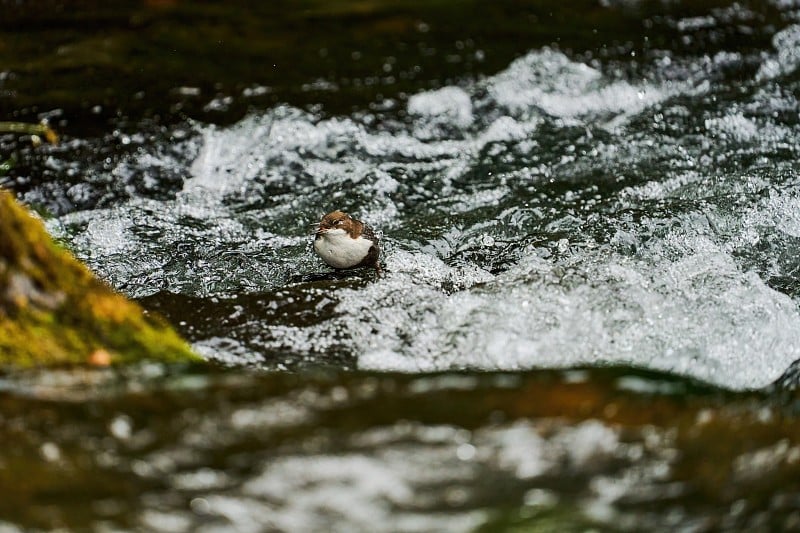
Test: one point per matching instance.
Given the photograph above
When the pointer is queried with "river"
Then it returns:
(590, 287)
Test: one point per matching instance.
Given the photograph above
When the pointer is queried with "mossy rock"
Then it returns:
(53, 311)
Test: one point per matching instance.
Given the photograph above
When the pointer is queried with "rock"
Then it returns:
(53, 311)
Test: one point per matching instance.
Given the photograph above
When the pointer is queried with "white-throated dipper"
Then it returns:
(344, 242)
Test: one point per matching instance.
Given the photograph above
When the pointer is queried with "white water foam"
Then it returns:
(673, 290)
(548, 81)
(696, 314)
(787, 57)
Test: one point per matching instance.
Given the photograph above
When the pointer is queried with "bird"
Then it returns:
(346, 243)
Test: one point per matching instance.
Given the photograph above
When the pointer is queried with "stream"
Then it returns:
(588, 317)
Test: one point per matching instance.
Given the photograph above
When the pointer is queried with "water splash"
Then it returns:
(551, 215)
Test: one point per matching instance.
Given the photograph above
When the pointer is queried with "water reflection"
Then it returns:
(180, 450)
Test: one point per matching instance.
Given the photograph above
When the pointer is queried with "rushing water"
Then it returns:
(550, 215)
(561, 213)
(191, 451)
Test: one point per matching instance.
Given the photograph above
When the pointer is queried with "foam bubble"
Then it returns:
(787, 58)
(451, 105)
(548, 81)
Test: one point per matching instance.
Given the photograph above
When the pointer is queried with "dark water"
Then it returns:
(621, 202)
(608, 450)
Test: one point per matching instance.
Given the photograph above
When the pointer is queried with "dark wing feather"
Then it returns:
(374, 251)
(367, 232)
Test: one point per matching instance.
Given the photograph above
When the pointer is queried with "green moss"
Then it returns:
(54, 311)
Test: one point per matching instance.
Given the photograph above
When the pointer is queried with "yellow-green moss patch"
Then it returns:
(54, 311)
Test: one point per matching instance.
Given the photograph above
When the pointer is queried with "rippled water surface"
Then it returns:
(158, 450)
(569, 210)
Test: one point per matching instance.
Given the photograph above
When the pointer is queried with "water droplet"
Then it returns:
(121, 427)
(200, 506)
(465, 452)
(50, 451)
